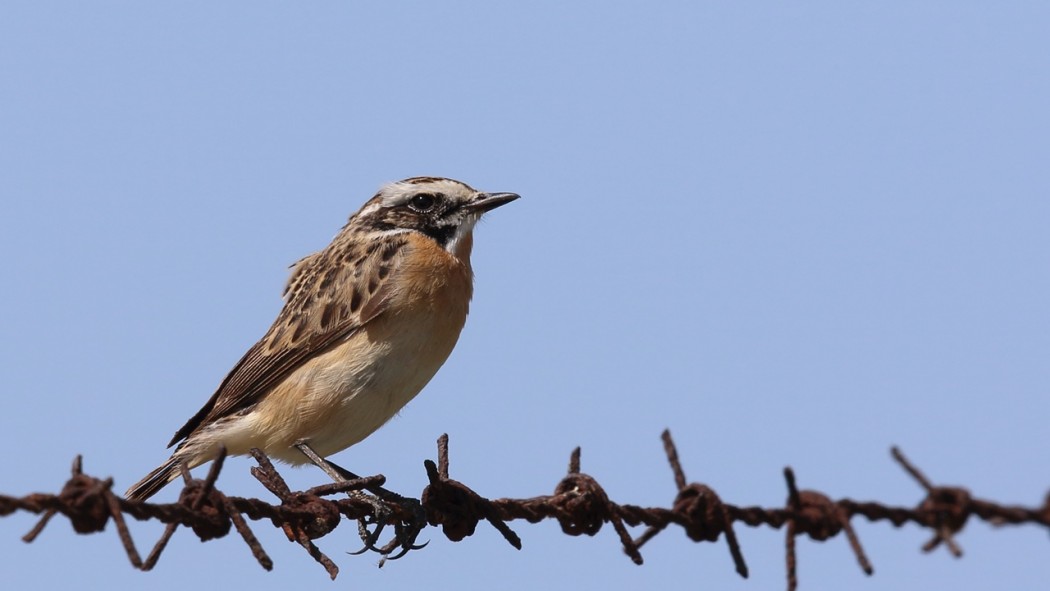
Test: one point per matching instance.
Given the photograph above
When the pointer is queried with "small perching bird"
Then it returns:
(366, 324)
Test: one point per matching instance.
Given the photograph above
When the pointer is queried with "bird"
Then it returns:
(367, 322)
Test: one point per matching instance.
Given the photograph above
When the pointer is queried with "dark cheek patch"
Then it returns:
(441, 234)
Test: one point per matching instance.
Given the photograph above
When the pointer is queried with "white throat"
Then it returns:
(464, 230)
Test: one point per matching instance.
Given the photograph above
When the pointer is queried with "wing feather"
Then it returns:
(330, 295)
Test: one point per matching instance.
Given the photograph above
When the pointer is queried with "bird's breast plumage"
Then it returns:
(343, 395)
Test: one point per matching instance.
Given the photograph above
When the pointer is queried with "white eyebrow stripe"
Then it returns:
(400, 192)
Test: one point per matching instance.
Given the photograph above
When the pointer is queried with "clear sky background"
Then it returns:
(794, 234)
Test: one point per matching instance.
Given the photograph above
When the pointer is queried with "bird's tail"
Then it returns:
(155, 480)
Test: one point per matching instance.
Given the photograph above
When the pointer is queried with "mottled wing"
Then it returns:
(329, 296)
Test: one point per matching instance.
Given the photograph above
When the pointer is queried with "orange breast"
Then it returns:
(342, 396)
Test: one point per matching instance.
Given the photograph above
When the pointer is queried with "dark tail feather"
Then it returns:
(154, 481)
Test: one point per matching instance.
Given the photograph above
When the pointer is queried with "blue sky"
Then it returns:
(792, 234)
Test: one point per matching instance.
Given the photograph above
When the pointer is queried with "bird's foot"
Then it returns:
(406, 514)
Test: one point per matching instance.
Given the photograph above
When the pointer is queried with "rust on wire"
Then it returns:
(579, 504)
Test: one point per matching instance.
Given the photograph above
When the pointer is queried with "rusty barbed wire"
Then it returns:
(579, 504)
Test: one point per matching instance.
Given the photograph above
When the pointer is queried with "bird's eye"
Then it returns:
(423, 202)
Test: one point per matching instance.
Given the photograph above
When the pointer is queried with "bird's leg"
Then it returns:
(334, 472)
(407, 531)
(339, 474)
(404, 539)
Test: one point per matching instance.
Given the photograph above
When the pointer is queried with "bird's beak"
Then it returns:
(483, 202)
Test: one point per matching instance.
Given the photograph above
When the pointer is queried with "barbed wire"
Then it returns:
(579, 504)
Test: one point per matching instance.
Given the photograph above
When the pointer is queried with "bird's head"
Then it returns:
(442, 209)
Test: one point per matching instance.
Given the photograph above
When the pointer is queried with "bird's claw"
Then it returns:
(405, 532)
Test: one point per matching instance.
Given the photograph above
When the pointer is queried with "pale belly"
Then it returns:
(337, 399)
